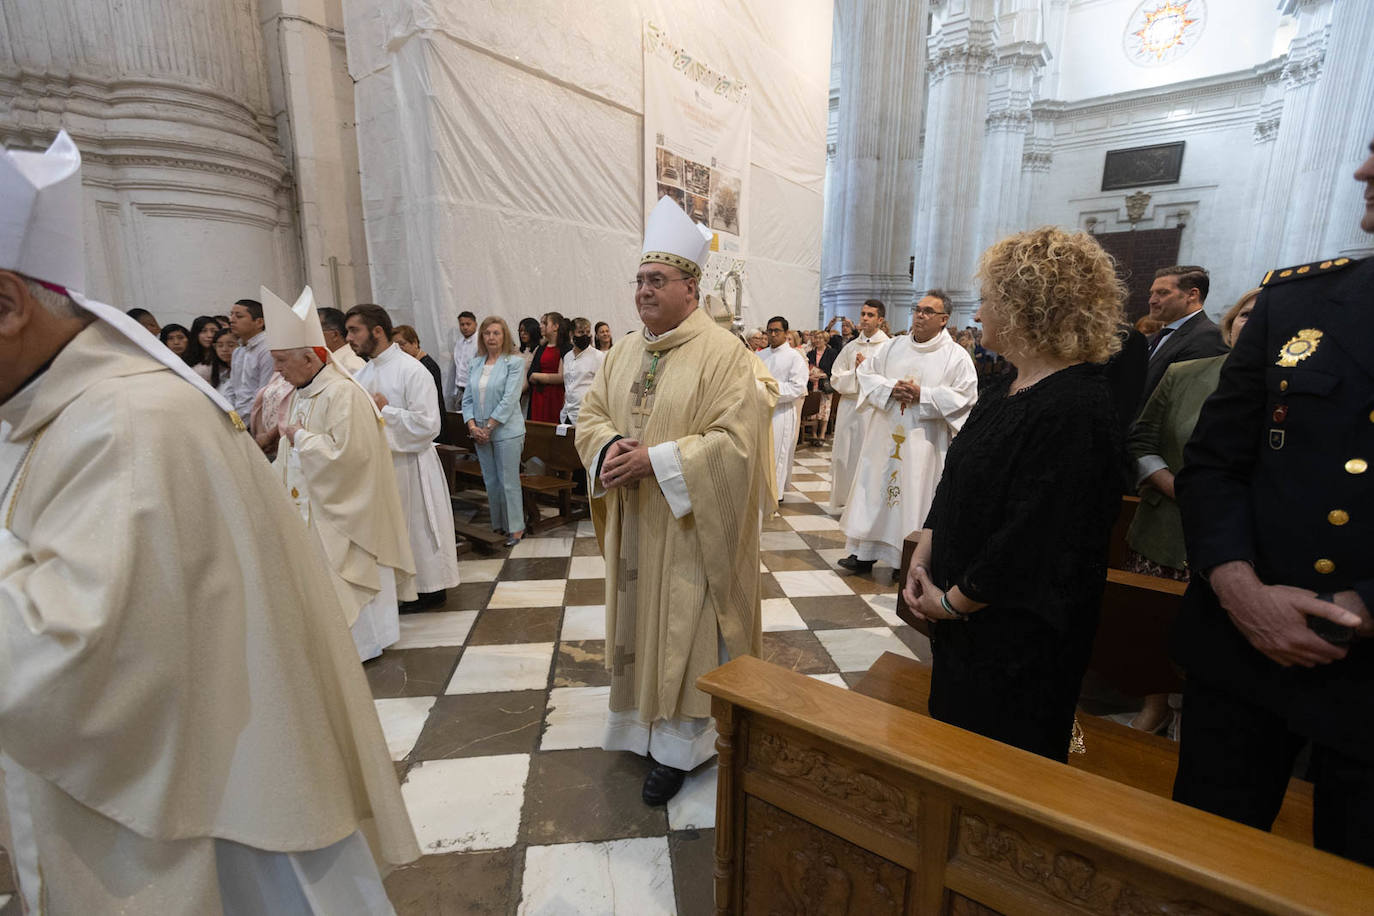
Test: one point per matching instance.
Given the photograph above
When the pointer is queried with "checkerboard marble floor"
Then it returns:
(493, 710)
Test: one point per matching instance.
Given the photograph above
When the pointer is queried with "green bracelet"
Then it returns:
(944, 603)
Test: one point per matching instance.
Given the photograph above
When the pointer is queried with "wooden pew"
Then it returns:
(559, 455)
(829, 801)
(462, 470)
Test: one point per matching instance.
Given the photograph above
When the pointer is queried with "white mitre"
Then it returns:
(670, 237)
(290, 327)
(41, 238)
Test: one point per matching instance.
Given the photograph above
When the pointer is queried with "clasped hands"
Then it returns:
(480, 434)
(923, 598)
(626, 461)
(906, 392)
(1274, 617)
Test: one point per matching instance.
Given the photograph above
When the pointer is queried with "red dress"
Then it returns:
(546, 401)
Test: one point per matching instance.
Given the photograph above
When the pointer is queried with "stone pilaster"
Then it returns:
(1015, 76)
(962, 53)
(873, 171)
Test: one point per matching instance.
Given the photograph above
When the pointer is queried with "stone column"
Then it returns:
(312, 98)
(868, 240)
(188, 203)
(1014, 78)
(962, 52)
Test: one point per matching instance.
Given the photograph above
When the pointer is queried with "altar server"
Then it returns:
(788, 367)
(849, 432)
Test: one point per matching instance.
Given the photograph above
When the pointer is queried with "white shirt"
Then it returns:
(578, 371)
(463, 352)
(250, 369)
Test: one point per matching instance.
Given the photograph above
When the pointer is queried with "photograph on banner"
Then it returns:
(696, 147)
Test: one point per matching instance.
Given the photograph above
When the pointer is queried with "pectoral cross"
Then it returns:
(898, 438)
(643, 392)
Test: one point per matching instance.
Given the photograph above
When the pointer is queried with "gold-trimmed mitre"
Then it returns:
(670, 237)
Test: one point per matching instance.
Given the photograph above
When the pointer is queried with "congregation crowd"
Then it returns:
(1007, 448)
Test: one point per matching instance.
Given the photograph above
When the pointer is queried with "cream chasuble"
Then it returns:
(849, 432)
(679, 589)
(172, 681)
(412, 421)
(339, 476)
(788, 368)
(903, 450)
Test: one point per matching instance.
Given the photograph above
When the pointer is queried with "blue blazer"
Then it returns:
(503, 396)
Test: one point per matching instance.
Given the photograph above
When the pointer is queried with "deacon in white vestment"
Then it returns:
(336, 466)
(673, 434)
(849, 432)
(404, 390)
(916, 390)
(184, 725)
(788, 367)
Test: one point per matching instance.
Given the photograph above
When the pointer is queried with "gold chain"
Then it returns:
(16, 483)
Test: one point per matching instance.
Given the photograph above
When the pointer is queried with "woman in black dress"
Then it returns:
(1012, 560)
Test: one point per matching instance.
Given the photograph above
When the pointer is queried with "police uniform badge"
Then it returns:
(1299, 348)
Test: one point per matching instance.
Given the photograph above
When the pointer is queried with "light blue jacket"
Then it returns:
(503, 396)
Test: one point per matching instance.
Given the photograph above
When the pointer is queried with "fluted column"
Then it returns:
(882, 62)
(188, 200)
(1001, 200)
(961, 56)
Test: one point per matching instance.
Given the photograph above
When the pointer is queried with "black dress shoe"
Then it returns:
(409, 607)
(662, 783)
(854, 563)
(433, 599)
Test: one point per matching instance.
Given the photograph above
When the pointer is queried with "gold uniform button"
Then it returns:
(1283, 386)
(1324, 566)
(1371, 416)
(1341, 262)
(1325, 264)
(1356, 466)
(295, 494)
(1338, 517)
(1285, 273)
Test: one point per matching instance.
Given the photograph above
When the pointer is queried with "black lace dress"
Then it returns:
(1021, 520)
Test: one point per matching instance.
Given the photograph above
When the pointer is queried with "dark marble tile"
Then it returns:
(505, 626)
(776, 523)
(470, 596)
(481, 724)
(585, 591)
(877, 581)
(581, 663)
(833, 613)
(769, 588)
(792, 560)
(587, 795)
(412, 672)
(801, 508)
(799, 650)
(458, 884)
(693, 853)
(852, 678)
(823, 540)
(534, 568)
(586, 547)
(915, 640)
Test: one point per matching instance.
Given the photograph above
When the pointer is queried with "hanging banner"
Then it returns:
(696, 148)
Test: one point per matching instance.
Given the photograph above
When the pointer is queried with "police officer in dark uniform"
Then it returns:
(1277, 495)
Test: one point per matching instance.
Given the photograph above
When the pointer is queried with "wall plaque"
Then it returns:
(1142, 165)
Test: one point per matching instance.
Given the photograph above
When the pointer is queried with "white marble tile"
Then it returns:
(587, 568)
(811, 486)
(814, 462)
(631, 877)
(5, 900)
(576, 717)
(532, 547)
(583, 621)
(812, 523)
(830, 679)
(494, 669)
(586, 530)
(779, 614)
(858, 648)
(694, 806)
(797, 469)
(402, 720)
(437, 628)
(479, 570)
(466, 803)
(781, 540)
(811, 583)
(885, 606)
(823, 475)
(794, 497)
(833, 555)
(528, 593)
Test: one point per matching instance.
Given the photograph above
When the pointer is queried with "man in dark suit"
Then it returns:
(1277, 495)
(1176, 298)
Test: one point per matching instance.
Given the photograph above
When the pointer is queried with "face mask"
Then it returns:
(582, 341)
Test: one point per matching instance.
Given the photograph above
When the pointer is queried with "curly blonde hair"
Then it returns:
(1055, 292)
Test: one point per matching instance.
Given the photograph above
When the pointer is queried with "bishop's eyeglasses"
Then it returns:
(655, 281)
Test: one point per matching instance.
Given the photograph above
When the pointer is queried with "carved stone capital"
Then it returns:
(962, 58)
(1266, 130)
(1009, 119)
(1036, 160)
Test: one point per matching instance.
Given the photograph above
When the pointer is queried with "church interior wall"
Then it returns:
(501, 151)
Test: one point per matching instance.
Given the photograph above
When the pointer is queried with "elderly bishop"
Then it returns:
(184, 725)
(671, 433)
(915, 393)
(336, 467)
